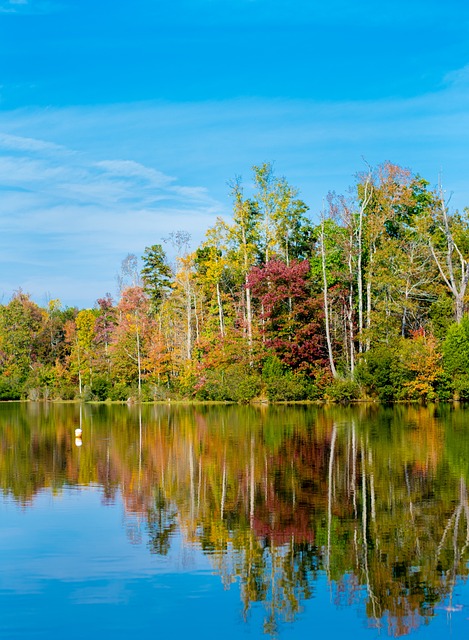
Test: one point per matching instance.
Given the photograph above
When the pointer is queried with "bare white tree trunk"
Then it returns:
(326, 301)
(248, 293)
(456, 284)
(249, 315)
(139, 363)
(368, 300)
(368, 190)
(196, 316)
(220, 311)
(188, 320)
(80, 384)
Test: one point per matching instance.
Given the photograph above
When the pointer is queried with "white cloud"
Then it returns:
(28, 6)
(130, 169)
(66, 216)
(82, 187)
(458, 78)
(19, 143)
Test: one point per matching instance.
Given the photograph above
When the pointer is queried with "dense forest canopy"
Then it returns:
(368, 301)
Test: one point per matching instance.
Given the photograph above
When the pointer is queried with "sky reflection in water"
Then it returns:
(233, 521)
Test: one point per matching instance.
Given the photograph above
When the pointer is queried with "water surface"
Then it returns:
(236, 521)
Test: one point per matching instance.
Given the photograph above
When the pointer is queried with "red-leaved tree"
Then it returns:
(291, 317)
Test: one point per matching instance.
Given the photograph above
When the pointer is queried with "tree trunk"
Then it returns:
(326, 303)
(368, 190)
(220, 311)
(249, 314)
(457, 286)
(188, 321)
(368, 300)
(139, 364)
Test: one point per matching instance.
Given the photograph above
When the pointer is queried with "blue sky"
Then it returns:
(122, 122)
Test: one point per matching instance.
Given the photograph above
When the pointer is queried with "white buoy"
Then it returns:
(78, 433)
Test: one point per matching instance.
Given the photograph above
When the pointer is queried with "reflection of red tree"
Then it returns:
(283, 528)
(294, 490)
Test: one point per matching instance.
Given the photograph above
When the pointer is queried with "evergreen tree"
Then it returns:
(156, 275)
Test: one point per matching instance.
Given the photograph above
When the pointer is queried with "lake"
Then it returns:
(234, 522)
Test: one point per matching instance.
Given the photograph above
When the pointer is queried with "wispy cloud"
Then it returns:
(11, 6)
(458, 78)
(20, 143)
(62, 212)
(82, 187)
(28, 6)
(134, 170)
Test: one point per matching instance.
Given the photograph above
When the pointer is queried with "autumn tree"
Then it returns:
(104, 327)
(447, 236)
(422, 359)
(80, 335)
(51, 345)
(393, 260)
(211, 262)
(243, 238)
(293, 331)
(283, 227)
(130, 336)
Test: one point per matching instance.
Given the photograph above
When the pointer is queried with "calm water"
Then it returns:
(233, 522)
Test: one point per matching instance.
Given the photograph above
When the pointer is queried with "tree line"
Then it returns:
(367, 301)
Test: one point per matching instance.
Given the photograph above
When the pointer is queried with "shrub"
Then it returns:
(460, 385)
(380, 372)
(100, 388)
(66, 392)
(233, 384)
(420, 366)
(456, 348)
(9, 389)
(343, 391)
(456, 358)
(120, 391)
(281, 384)
(288, 387)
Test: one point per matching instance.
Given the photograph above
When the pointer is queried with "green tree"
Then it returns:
(21, 322)
(84, 346)
(456, 357)
(156, 275)
(397, 273)
(243, 237)
(283, 228)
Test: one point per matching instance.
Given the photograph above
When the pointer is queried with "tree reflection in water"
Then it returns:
(375, 499)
